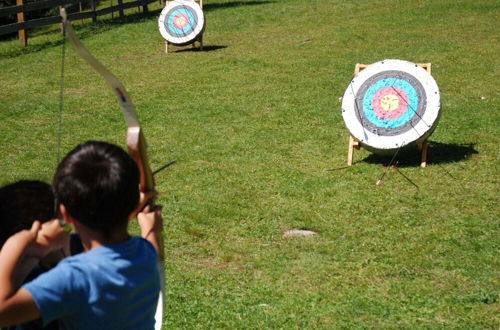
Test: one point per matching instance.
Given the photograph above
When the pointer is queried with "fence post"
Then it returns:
(94, 16)
(80, 6)
(20, 18)
(120, 9)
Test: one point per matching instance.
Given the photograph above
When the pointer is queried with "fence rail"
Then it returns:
(35, 6)
(22, 25)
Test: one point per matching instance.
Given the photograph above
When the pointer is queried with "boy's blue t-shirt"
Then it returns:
(109, 287)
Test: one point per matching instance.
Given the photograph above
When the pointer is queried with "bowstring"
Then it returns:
(61, 100)
(59, 114)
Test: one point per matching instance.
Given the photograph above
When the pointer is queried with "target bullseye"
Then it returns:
(390, 104)
(181, 22)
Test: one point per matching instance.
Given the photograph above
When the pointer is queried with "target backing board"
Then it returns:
(181, 22)
(391, 104)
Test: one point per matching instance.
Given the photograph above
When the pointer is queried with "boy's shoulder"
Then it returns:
(135, 249)
(135, 256)
(107, 279)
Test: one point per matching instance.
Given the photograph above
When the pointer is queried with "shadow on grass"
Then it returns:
(213, 6)
(197, 49)
(437, 153)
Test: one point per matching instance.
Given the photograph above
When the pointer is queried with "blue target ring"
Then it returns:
(405, 89)
(411, 102)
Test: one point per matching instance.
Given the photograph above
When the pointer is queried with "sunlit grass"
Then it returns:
(254, 123)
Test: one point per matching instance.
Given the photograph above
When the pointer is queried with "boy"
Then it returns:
(114, 284)
(21, 203)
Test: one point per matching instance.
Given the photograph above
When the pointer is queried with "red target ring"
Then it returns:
(390, 102)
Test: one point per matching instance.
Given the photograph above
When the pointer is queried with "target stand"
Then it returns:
(182, 23)
(390, 105)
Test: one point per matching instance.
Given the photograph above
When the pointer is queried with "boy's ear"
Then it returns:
(65, 214)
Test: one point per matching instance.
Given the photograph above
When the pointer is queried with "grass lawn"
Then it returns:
(254, 123)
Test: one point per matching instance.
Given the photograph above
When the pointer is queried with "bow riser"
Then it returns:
(137, 147)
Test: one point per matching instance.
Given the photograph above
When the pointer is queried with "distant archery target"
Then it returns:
(390, 104)
(181, 22)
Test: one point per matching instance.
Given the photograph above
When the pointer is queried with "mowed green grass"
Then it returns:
(254, 123)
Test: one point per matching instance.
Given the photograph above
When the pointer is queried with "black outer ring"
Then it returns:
(383, 131)
(181, 35)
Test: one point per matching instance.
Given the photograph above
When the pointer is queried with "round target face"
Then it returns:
(181, 22)
(391, 104)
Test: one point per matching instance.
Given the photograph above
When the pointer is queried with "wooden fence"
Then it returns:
(20, 9)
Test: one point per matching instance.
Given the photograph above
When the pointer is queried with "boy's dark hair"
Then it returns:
(98, 183)
(23, 202)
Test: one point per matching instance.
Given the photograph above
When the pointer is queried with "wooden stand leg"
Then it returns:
(424, 146)
(200, 42)
(166, 47)
(353, 144)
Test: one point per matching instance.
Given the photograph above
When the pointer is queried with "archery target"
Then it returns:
(391, 104)
(181, 22)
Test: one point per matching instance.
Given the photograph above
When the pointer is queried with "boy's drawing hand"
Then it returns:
(26, 239)
(50, 236)
(18, 256)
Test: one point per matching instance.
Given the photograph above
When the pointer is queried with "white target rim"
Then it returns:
(421, 130)
(193, 34)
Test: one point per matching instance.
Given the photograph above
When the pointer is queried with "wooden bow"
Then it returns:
(136, 142)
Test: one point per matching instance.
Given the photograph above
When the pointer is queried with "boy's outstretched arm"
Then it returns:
(18, 257)
(17, 260)
(151, 224)
(150, 220)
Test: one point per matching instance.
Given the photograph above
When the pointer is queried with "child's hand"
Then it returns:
(151, 225)
(150, 219)
(51, 236)
(144, 199)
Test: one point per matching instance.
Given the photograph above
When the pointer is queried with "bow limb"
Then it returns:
(136, 142)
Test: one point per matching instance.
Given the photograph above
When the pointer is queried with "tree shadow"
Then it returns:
(85, 30)
(437, 153)
(105, 24)
(30, 49)
(131, 18)
(214, 6)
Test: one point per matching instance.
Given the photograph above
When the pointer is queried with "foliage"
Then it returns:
(12, 18)
(254, 123)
